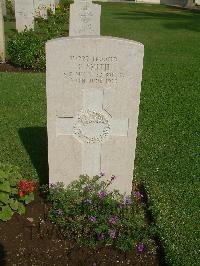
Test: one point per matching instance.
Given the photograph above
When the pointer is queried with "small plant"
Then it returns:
(15, 193)
(87, 212)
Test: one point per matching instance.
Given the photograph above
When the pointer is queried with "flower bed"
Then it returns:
(83, 224)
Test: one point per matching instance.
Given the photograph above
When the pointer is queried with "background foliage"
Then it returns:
(27, 49)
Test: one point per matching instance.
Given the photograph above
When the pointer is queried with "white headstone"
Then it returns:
(24, 14)
(3, 3)
(2, 37)
(84, 18)
(93, 94)
(93, 104)
(41, 7)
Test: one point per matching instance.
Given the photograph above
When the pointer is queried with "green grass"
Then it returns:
(23, 122)
(167, 155)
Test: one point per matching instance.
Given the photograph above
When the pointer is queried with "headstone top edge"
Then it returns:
(49, 42)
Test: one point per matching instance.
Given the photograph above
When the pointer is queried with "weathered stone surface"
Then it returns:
(93, 92)
(24, 14)
(84, 18)
(2, 37)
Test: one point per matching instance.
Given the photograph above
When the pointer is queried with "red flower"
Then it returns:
(21, 194)
(26, 187)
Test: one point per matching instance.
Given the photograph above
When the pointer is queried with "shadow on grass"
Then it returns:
(171, 18)
(151, 221)
(2, 255)
(34, 140)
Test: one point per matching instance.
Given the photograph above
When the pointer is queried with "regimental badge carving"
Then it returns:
(91, 126)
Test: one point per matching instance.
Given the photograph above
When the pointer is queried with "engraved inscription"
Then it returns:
(86, 16)
(94, 70)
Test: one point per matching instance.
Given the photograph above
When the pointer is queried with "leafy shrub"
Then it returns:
(27, 49)
(15, 192)
(56, 25)
(88, 213)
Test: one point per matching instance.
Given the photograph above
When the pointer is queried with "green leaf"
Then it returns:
(6, 213)
(4, 197)
(3, 176)
(21, 209)
(13, 181)
(14, 191)
(5, 186)
(14, 204)
(29, 198)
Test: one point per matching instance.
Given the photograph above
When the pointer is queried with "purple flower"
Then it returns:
(101, 174)
(94, 264)
(140, 247)
(138, 195)
(113, 219)
(101, 236)
(92, 219)
(113, 177)
(112, 234)
(128, 200)
(102, 194)
(58, 211)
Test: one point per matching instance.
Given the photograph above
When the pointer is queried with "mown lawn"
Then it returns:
(167, 156)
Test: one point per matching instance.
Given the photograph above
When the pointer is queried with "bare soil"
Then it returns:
(5, 67)
(31, 239)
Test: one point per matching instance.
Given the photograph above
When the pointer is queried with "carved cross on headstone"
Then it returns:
(92, 126)
(84, 18)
